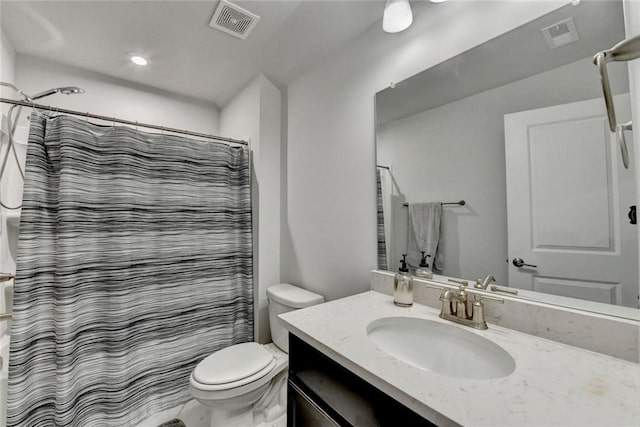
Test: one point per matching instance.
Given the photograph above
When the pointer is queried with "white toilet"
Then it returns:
(245, 384)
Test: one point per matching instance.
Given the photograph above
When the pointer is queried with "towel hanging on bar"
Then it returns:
(424, 232)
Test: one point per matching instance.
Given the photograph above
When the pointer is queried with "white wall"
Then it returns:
(329, 238)
(7, 74)
(7, 67)
(115, 97)
(456, 152)
(254, 115)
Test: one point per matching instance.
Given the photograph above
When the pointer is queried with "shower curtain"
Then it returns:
(134, 263)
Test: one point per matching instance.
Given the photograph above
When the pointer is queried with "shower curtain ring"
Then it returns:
(33, 108)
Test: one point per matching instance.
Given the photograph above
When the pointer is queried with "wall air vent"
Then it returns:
(233, 19)
(561, 33)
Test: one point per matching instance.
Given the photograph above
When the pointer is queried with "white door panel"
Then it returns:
(567, 201)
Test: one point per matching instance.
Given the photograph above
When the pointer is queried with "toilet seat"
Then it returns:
(233, 367)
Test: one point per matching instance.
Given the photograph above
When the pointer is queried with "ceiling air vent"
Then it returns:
(561, 33)
(233, 19)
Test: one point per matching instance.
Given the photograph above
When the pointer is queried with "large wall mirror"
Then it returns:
(516, 127)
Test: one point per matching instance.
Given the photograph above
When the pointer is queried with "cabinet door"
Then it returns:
(325, 393)
(304, 412)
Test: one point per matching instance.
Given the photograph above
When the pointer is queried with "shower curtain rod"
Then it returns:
(123, 121)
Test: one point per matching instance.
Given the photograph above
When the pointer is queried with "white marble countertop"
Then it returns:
(552, 385)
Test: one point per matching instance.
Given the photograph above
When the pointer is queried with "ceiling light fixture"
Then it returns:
(139, 60)
(397, 16)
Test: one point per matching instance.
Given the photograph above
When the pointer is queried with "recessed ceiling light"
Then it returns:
(138, 60)
(437, 1)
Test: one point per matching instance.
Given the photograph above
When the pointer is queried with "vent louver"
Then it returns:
(233, 19)
(561, 33)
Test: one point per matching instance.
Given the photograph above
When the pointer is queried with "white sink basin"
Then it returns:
(440, 347)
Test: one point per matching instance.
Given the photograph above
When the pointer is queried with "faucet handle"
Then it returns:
(479, 298)
(478, 284)
(494, 288)
(478, 310)
(463, 283)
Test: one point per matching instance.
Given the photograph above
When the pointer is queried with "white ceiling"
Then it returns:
(186, 55)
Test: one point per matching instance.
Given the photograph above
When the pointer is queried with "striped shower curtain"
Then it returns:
(134, 263)
(382, 241)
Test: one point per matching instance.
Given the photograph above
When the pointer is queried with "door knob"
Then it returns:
(519, 262)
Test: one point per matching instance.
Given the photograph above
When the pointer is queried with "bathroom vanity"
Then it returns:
(342, 374)
(321, 392)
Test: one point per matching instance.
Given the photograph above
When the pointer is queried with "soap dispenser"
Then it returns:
(423, 269)
(403, 285)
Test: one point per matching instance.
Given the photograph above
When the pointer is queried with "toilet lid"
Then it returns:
(232, 364)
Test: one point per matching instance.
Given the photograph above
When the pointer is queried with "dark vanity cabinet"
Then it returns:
(323, 393)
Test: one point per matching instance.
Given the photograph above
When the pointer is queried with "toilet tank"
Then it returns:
(282, 299)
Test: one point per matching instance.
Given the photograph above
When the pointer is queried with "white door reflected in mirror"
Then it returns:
(567, 201)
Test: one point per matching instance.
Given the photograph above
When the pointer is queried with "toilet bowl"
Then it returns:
(245, 384)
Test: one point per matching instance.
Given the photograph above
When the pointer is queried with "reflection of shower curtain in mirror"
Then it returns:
(382, 241)
(134, 263)
(384, 195)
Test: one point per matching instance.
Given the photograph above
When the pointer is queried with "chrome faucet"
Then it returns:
(482, 284)
(458, 300)
(455, 304)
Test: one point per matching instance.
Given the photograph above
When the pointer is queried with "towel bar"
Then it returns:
(460, 203)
